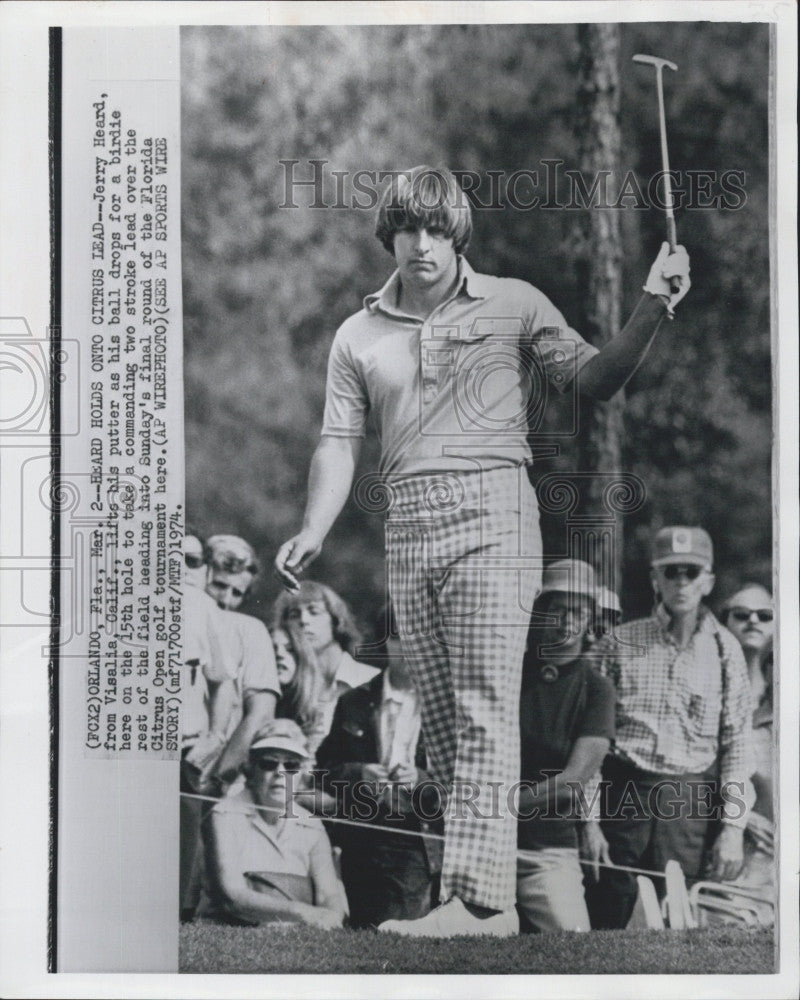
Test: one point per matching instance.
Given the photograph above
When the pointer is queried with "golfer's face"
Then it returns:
(228, 589)
(424, 256)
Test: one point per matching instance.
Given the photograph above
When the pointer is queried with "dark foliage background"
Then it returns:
(265, 287)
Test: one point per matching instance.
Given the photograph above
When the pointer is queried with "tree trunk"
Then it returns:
(600, 288)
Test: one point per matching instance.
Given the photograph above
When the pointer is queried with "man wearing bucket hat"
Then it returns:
(567, 724)
(268, 858)
(681, 748)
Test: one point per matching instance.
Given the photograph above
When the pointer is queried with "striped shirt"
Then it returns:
(679, 710)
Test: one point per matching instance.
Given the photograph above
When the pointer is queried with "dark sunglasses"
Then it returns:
(192, 561)
(691, 572)
(745, 614)
(271, 764)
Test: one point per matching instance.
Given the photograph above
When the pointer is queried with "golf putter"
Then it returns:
(659, 64)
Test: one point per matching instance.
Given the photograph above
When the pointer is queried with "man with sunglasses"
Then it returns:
(268, 859)
(680, 758)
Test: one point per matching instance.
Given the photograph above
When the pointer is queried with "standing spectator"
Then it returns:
(567, 723)
(231, 569)
(208, 696)
(683, 719)
(194, 558)
(268, 859)
(298, 675)
(441, 359)
(317, 616)
(749, 615)
(375, 749)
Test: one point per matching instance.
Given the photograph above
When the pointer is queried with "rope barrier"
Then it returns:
(412, 833)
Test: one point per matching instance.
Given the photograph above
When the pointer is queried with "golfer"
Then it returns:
(446, 361)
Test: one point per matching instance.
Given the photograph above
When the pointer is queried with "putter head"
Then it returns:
(655, 61)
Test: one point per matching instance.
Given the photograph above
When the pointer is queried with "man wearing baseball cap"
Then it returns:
(681, 748)
(268, 858)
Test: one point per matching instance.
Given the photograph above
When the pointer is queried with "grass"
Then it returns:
(212, 948)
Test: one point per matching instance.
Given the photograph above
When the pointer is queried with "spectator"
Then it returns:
(317, 615)
(194, 558)
(749, 615)
(375, 750)
(268, 859)
(208, 696)
(567, 723)
(298, 676)
(232, 568)
(682, 731)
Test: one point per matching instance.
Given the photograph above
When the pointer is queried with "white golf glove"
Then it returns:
(665, 267)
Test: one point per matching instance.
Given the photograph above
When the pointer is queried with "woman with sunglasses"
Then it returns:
(268, 859)
(680, 762)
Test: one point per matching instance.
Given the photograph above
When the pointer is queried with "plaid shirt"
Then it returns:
(678, 710)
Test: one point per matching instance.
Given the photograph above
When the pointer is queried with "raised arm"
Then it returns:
(329, 480)
(608, 371)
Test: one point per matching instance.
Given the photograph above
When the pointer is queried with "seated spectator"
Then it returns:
(374, 752)
(268, 859)
(232, 567)
(208, 695)
(317, 615)
(567, 724)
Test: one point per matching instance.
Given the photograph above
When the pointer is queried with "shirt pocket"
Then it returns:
(703, 702)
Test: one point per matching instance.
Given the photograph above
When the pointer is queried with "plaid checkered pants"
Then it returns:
(464, 564)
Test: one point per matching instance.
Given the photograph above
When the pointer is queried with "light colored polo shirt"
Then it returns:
(254, 655)
(292, 846)
(455, 391)
(208, 658)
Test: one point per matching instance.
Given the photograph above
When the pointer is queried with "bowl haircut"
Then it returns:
(424, 198)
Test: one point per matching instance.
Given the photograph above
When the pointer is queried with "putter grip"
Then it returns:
(672, 239)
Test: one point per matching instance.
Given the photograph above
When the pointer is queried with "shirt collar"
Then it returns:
(706, 622)
(350, 673)
(470, 282)
(391, 693)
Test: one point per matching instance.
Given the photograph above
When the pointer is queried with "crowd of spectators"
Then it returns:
(305, 795)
